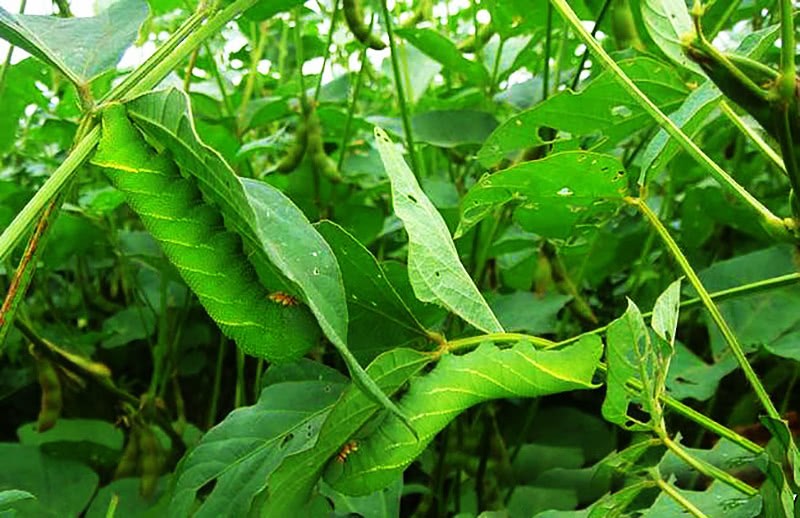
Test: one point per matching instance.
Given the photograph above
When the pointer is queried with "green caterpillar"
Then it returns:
(355, 21)
(192, 235)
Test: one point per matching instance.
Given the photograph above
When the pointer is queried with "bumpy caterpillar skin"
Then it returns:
(316, 149)
(355, 21)
(193, 237)
(52, 395)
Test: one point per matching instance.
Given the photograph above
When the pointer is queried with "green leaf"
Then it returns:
(442, 49)
(241, 452)
(80, 48)
(435, 271)
(717, 500)
(61, 487)
(587, 185)
(291, 485)
(690, 377)
(266, 219)
(130, 501)
(84, 440)
(451, 128)
(665, 313)
(667, 21)
(523, 311)
(371, 300)
(380, 504)
(626, 343)
(455, 384)
(19, 90)
(694, 113)
(602, 106)
(9, 496)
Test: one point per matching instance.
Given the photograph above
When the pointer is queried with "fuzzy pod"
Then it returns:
(128, 465)
(52, 395)
(151, 460)
(295, 153)
(192, 234)
(355, 21)
(316, 149)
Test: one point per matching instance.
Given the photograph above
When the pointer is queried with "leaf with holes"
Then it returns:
(241, 452)
(435, 271)
(602, 108)
(587, 185)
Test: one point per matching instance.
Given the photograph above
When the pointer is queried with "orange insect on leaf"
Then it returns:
(283, 299)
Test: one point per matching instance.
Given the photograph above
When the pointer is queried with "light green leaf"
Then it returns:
(602, 106)
(694, 113)
(9, 496)
(241, 452)
(443, 50)
(80, 48)
(371, 300)
(455, 384)
(667, 21)
(626, 341)
(291, 485)
(665, 313)
(587, 185)
(435, 271)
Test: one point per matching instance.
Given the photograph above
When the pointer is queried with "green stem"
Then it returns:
(352, 111)
(713, 310)
(788, 69)
(217, 383)
(600, 16)
(252, 74)
(144, 81)
(754, 137)
(548, 44)
(707, 468)
(299, 58)
(472, 341)
(327, 56)
(730, 7)
(772, 224)
(25, 218)
(401, 96)
(679, 498)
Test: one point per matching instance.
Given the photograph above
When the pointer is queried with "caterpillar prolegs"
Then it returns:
(192, 235)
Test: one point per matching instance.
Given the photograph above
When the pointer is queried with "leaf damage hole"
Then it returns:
(411, 198)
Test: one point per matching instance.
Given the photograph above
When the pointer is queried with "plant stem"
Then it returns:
(706, 468)
(401, 96)
(679, 498)
(713, 310)
(788, 79)
(471, 341)
(600, 16)
(754, 137)
(352, 111)
(327, 55)
(24, 219)
(772, 224)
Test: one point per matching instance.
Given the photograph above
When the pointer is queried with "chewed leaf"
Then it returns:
(435, 271)
(587, 185)
(457, 383)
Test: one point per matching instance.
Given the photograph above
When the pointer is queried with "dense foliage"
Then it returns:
(382, 259)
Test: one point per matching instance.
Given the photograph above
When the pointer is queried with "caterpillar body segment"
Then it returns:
(192, 235)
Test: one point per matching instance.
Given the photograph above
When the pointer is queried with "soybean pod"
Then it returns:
(151, 460)
(52, 399)
(355, 21)
(294, 155)
(316, 149)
